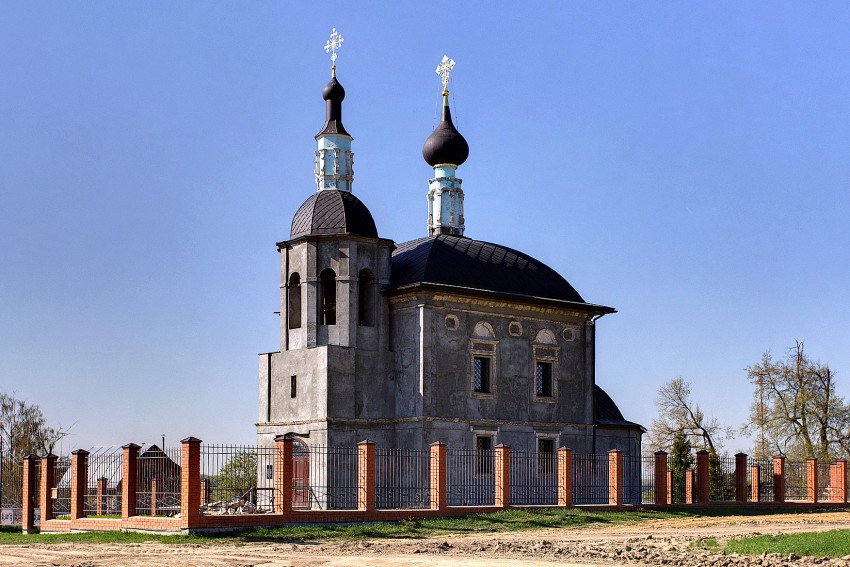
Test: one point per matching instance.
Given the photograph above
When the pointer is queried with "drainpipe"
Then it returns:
(592, 326)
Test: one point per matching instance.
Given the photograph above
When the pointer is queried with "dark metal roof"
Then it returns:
(460, 262)
(445, 145)
(333, 93)
(607, 412)
(331, 211)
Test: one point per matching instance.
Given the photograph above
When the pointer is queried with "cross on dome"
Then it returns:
(444, 70)
(332, 46)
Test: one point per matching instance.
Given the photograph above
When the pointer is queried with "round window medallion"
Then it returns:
(515, 328)
(451, 322)
(569, 334)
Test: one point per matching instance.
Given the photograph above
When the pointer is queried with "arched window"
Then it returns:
(366, 300)
(327, 298)
(294, 308)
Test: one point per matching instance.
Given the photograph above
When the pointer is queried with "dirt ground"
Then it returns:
(653, 542)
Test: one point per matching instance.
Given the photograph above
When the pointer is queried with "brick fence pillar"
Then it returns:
(154, 497)
(502, 476)
(366, 476)
(283, 474)
(690, 497)
(79, 482)
(205, 492)
(101, 494)
(669, 486)
(755, 483)
(615, 477)
(129, 480)
(565, 476)
(661, 477)
(439, 451)
(812, 479)
(48, 472)
(28, 495)
(190, 482)
(838, 481)
(741, 477)
(702, 476)
(779, 478)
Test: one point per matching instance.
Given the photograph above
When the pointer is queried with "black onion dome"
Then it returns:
(333, 93)
(463, 263)
(333, 212)
(607, 412)
(445, 145)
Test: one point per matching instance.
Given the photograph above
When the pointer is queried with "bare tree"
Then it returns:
(24, 431)
(679, 414)
(795, 409)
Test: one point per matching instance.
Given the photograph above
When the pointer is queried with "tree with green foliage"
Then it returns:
(236, 478)
(680, 460)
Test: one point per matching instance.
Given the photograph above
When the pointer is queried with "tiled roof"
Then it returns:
(333, 212)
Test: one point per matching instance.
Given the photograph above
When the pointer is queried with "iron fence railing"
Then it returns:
(11, 482)
(534, 478)
(324, 478)
(105, 466)
(158, 481)
(590, 478)
(470, 478)
(639, 479)
(60, 493)
(795, 481)
(402, 478)
(721, 478)
(237, 479)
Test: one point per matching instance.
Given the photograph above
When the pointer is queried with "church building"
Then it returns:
(443, 338)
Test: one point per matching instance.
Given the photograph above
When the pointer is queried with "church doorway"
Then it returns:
(300, 474)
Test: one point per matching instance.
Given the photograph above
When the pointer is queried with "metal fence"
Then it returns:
(11, 482)
(324, 478)
(826, 492)
(795, 481)
(470, 478)
(534, 478)
(721, 478)
(103, 483)
(639, 479)
(158, 481)
(590, 478)
(765, 479)
(60, 494)
(402, 479)
(237, 479)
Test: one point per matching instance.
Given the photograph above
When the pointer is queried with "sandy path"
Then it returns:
(605, 545)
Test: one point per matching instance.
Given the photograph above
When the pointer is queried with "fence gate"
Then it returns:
(300, 474)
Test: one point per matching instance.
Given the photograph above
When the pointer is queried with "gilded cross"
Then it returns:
(444, 69)
(332, 46)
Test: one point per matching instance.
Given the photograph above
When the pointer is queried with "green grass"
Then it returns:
(835, 543)
(708, 544)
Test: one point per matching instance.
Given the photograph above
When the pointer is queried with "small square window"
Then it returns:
(293, 386)
(543, 384)
(269, 472)
(481, 374)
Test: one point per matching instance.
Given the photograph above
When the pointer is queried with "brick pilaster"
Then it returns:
(129, 480)
(101, 495)
(669, 486)
(366, 476)
(661, 477)
(28, 495)
(502, 476)
(439, 474)
(283, 472)
(615, 477)
(155, 496)
(755, 483)
(779, 478)
(812, 479)
(79, 482)
(190, 482)
(690, 496)
(565, 477)
(48, 473)
(702, 476)
(741, 477)
(838, 481)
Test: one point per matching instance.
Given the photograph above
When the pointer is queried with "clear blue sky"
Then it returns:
(688, 164)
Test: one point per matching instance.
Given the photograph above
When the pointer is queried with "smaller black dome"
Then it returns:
(333, 212)
(333, 91)
(445, 145)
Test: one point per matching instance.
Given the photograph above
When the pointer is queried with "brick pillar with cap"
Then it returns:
(283, 474)
(741, 477)
(690, 496)
(661, 477)
(779, 478)
(669, 486)
(102, 486)
(565, 477)
(812, 479)
(755, 483)
(502, 476)
(79, 482)
(129, 479)
(190, 482)
(838, 481)
(48, 473)
(439, 476)
(702, 476)
(615, 477)
(366, 476)
(28, 495)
